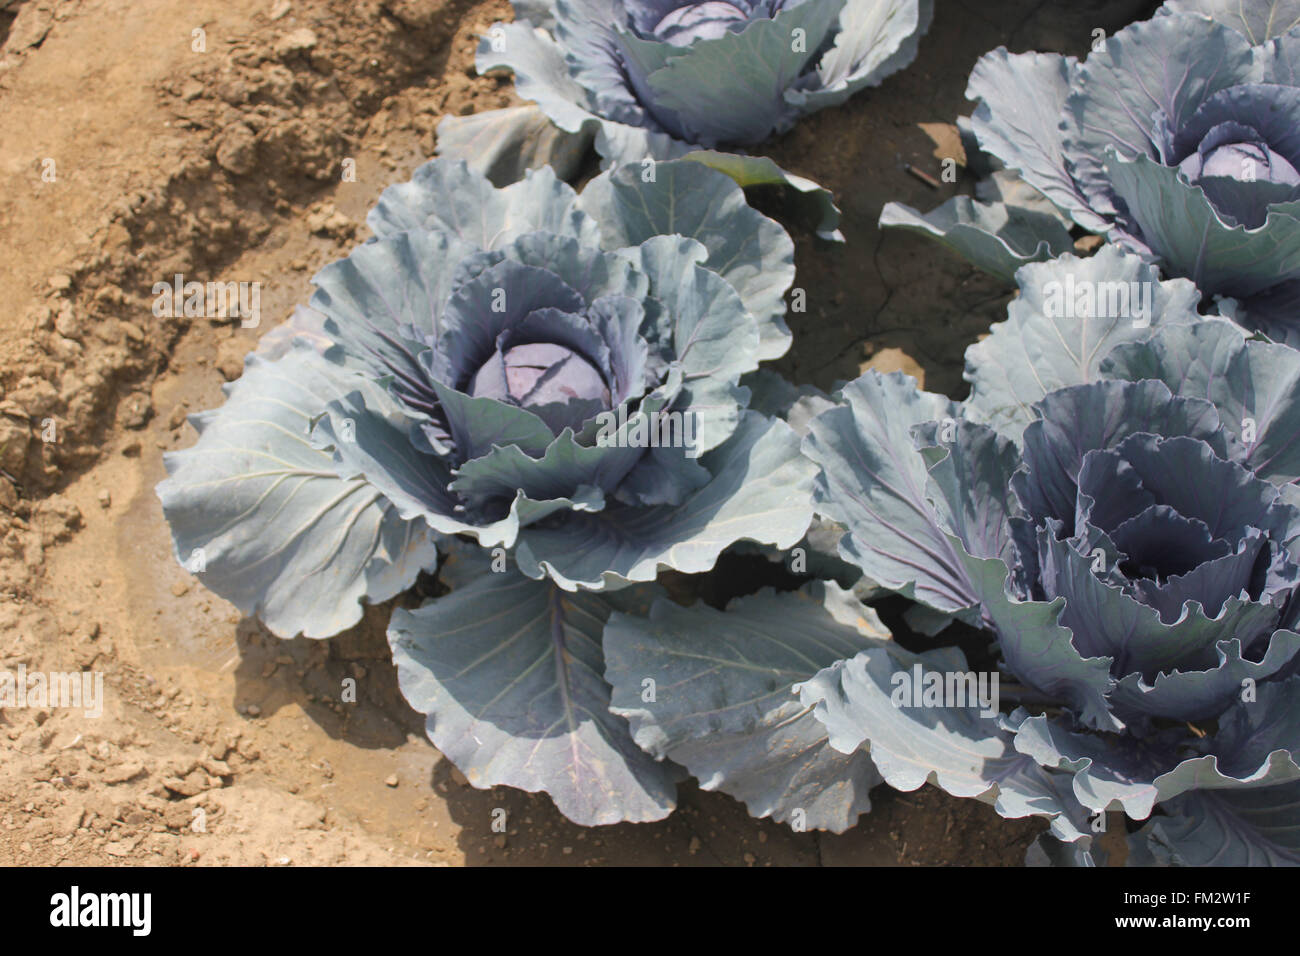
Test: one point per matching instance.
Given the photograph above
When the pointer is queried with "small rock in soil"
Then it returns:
(15, 437)
(237, 149)
(67, 324)
(230, 358)
(297, 41)
(123, 772)
(136, 411)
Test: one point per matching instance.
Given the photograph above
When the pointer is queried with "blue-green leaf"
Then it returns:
(1024, 131)
(505, 144)
(1256, 827)
(996, 238)
(1257, 20)
(869, 702)
(508, 672)
(1182, 226)
(876, 40)
(449, 197)
(753, 253)
(268, 521)
(720, 702)
(1254, 385)
(760, 491)
(1255, 746)
(873, 482)
(1068, 317)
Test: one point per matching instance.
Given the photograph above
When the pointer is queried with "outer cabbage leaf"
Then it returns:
(508, 672)
(995, 237)
(875, 41)
(354, 306)
(959, 749)
(1256, 827)
(281, 530)
(1255, 746)
(1282, 64)
(1037, 647)
(540, 71)
(1025, 131)
(724, 708)
(1182, 227)
(504, 144)
(814, 205)
(1048, 343)
(971, 469)
(873, 482)
(451, 198)
(1256, 21)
